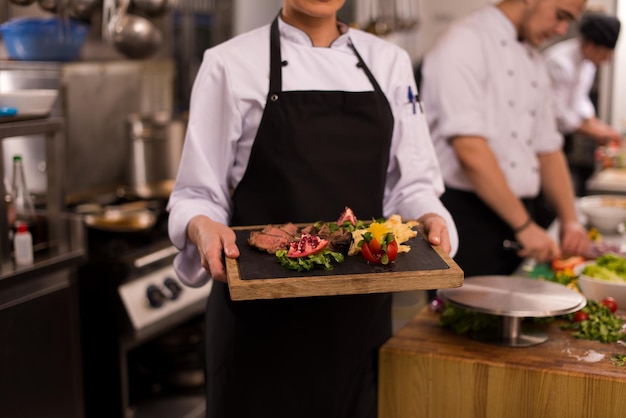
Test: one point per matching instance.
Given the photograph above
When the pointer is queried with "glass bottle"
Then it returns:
(21, 199)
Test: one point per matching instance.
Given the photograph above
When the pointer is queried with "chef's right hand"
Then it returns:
(537, 244)
(213, 240)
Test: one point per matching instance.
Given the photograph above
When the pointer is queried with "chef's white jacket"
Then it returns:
(572, 78)
(479, 80)
(227, 102)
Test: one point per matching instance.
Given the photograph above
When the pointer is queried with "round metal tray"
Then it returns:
(513, 298)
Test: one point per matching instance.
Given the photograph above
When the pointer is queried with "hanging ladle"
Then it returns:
(134, 36)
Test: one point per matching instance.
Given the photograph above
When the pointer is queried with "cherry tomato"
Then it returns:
(610, 303)
(580, 316)
(367, 253)
(373, 252)
(392, 250)
(375, 247)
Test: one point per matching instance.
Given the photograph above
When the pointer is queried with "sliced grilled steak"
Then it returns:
(273, 238)
(291, 229)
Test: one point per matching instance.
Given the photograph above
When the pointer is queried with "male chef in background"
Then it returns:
(486, 97)
(572, 65)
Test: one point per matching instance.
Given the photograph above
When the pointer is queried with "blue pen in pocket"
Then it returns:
(411, 98)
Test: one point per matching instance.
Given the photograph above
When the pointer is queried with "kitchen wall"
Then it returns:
(618, 103)
(433, 17)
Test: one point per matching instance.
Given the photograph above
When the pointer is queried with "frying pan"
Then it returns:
(121, 220)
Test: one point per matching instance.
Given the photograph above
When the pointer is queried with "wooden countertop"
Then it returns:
(429, 371)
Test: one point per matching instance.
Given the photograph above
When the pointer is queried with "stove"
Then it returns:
(158, 295)
(141, 328)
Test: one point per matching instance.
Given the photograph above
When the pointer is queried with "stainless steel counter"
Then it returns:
(64, 247)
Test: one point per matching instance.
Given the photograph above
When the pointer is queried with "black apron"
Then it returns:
(315, 152)
(481, 235)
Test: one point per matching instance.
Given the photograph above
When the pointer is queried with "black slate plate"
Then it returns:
(254, 264)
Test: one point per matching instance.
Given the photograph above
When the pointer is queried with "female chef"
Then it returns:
(293, 122)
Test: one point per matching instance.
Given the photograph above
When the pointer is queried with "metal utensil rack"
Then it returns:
(53, 129)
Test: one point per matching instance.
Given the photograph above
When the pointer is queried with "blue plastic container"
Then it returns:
(43, 39)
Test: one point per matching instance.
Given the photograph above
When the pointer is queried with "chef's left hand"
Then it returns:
(574, 240)
(436, 231)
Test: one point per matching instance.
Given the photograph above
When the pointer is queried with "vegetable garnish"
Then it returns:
(321, 259)
(462, 321)
(619, 359)
(379, 246)
(600, 325)
(594, 322)
(323, 243)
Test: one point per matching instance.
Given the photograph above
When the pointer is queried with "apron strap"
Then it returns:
(276, 82)
(276, 70)
(365, 68)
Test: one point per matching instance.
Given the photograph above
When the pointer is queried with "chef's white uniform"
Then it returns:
(480, 80)
(572, 78)
(227, 103)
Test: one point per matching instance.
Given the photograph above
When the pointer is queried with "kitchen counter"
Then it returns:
(40, 355)
(428, 371)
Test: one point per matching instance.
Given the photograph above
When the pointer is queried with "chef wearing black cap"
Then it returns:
(572, 65)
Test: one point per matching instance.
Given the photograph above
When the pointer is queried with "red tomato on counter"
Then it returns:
(581, 316)
(610, 303)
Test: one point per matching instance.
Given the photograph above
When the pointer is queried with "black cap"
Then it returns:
(599, 28)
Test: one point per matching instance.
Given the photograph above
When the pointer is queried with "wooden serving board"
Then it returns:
(259, 275)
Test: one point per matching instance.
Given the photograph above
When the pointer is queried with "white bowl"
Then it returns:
(598, 289)
(604, 212)
(29, 102)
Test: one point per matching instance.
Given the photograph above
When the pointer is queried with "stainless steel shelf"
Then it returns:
(52, 129)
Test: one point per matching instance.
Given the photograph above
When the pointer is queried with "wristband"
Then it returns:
(523, 226)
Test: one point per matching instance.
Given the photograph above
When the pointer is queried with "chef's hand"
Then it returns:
(436, 230)
(603, 133)
(213, 240)
(574, 240)
(537, 244)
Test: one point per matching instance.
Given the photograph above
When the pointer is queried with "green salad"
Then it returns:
(610, 267)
